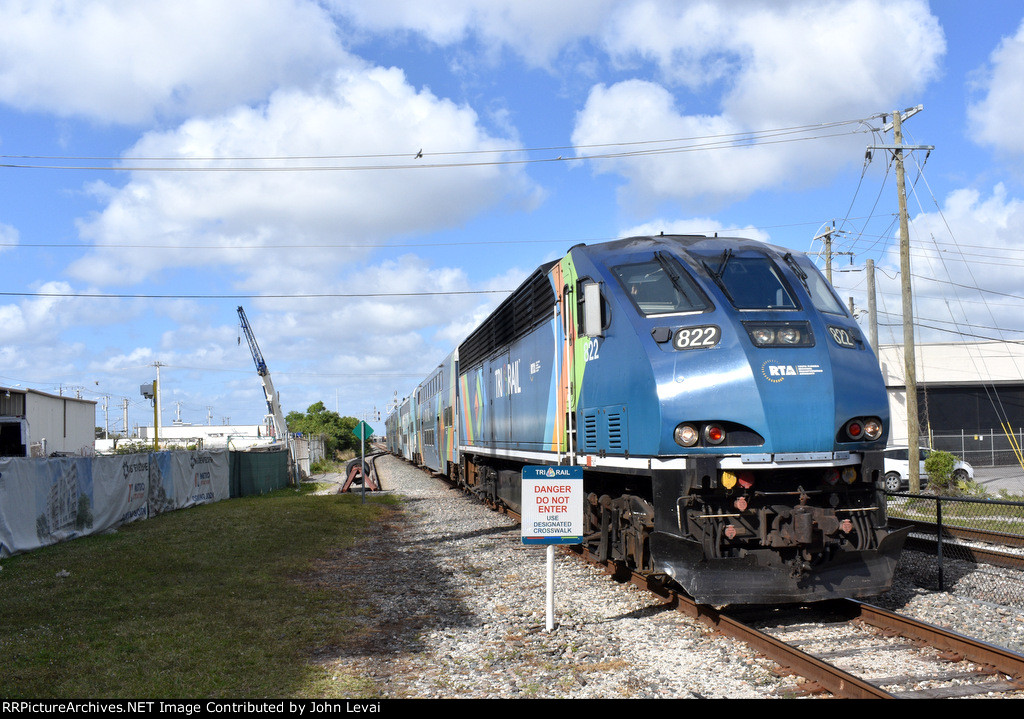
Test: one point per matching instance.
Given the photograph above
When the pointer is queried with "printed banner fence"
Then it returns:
(44, 501)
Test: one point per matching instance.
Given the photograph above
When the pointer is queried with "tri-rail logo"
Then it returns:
(774, 372)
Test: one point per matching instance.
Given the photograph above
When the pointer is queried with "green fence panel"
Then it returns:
(257, 472)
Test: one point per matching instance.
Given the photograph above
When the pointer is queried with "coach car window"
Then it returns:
(660, 286)
(751, 281)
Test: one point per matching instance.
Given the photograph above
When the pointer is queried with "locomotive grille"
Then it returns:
(615, 423)
(604, 429)
(590, 432)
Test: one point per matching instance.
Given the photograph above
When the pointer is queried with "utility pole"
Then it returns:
(157, 388)
(827, 237)
(872, 310)
(828, 253)
(156, 415)
(909, 352)
(909, 355)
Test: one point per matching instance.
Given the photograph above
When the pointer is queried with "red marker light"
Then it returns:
(854, 429)
(713, 434)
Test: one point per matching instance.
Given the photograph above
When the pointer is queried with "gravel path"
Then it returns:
(459, 613)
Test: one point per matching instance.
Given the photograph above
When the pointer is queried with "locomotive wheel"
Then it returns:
(619, 530)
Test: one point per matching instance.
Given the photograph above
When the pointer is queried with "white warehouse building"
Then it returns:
(970, 397)
(38, 424)
(179, 436)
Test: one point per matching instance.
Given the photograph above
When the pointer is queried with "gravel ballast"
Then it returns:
(458, 611)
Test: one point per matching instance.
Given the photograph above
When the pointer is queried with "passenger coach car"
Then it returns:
(727, 412)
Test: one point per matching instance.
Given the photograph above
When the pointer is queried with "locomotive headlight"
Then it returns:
(762, 336)
(872, 429)
(788, 336)
(686, 435)
(849, 475)
(780, 334)
(863, 429)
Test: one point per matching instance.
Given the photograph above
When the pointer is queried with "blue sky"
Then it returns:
(184, 158)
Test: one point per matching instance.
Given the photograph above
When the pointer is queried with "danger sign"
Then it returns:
(552, 505)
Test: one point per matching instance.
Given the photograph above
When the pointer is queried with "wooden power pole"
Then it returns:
(872, 309)
(909, 354)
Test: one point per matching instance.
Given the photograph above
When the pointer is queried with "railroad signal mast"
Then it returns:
(273, 403)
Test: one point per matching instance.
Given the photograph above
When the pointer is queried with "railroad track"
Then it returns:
(980, 546)
(935, 663)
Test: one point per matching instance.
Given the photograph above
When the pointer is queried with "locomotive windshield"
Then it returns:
(750, 280)
(660, 286)
(822, 295)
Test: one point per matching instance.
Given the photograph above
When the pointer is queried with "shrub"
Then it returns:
(939, 467)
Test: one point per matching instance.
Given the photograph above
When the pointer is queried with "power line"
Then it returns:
(672, 146)
(359, 295)
(383, 246)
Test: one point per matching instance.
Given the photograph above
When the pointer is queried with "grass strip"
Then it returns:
(209, 602)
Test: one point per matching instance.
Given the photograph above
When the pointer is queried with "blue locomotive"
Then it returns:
(729, 416)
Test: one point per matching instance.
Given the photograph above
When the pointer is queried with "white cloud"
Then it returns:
(267, 225)
(995, 119)
(9, 237)
(124, 61)
(966, 262)
(694, 226)
(787, 62)
(536, 29)
(779, 65)
(635, 110)
(975, 238)
(34, 333)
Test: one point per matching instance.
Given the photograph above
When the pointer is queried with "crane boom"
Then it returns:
(273, 404)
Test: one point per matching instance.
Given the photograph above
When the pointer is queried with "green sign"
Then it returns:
(363, 430)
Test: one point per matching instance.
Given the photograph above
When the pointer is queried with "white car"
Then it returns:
(897, 468)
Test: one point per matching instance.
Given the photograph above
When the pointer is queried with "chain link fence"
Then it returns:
(980, 448)
(981, 552)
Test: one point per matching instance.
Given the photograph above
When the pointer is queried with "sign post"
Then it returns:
(552, 513)
(363, 431)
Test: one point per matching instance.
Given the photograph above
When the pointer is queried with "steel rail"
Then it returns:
(828, 677)
(966, 553)
(981, 535)
(820, 673)
(823, 675)
(1002, 660)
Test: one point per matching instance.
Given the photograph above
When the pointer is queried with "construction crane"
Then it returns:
(273, 404)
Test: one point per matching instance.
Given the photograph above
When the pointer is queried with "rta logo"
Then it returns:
(778, 372)
(775, 372)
